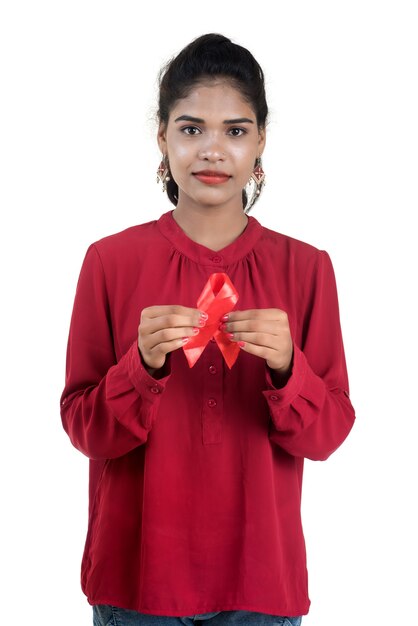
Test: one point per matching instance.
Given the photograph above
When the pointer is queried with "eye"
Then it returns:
(237, 132)
(190, 130)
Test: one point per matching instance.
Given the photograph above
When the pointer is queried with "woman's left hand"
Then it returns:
(264, 333)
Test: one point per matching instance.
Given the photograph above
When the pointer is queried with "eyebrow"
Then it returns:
(199, 120)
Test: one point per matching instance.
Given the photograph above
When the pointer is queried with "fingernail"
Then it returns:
(185, 340)
(222, 327)
(204, 315)
(241, 343)
(202, 322)
(230, 335)
(195, 331)
(224, 318)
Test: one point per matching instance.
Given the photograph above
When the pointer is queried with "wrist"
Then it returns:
(155, 372)
(280, 378)
(281, 375)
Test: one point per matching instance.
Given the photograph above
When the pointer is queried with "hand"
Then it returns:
(163, 329)
(264, 333)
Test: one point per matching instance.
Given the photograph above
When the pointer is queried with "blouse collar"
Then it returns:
(236, 250)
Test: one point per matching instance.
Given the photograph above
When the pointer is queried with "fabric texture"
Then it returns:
(196, 476)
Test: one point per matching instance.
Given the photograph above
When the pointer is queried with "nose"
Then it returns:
(212, 150)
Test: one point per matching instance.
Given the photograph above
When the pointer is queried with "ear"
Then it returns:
(162, 138)
(261, 141)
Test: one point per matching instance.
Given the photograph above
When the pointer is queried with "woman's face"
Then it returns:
(212, 141)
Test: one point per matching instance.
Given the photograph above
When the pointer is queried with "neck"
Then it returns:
(213, 228)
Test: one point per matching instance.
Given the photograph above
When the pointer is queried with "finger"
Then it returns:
(171, 320)
(260, 351)
(169, 309)
(270, 356)
(275, 327)
(264, 340)
(167, 346)
(168, 335)
(272, 314)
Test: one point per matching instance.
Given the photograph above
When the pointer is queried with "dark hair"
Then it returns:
(209, 57)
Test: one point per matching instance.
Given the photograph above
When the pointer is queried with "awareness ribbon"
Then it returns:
(218, 297)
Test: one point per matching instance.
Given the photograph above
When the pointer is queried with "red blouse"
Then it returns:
(195, 478)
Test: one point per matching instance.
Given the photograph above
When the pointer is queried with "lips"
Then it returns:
(211, 177)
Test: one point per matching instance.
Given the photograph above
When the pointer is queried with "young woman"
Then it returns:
(205, 362)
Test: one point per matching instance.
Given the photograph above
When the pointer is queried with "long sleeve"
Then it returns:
(312, 415)
(107, 406)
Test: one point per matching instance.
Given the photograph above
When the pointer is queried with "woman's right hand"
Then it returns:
(165, 328)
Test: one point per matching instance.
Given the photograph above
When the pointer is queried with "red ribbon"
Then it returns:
(218, 297)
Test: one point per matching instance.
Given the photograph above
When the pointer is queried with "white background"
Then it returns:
(78, 161)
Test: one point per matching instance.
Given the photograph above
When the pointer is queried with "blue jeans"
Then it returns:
(106, 615)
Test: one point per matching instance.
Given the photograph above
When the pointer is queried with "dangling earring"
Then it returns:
(163, 172)
(255, 185)
(258, 176)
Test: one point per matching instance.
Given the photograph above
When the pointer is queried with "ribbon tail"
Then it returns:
(195, 346)
(230, 350)
(193, 354)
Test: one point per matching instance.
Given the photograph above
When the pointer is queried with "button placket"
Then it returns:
(212, 407)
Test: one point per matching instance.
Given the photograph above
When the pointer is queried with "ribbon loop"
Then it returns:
(218, 297)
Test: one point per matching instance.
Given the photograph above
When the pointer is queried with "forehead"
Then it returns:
(214, 97)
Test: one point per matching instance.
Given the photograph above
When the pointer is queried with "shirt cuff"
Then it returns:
(285, 395)
(141, 378)
(296, 406)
